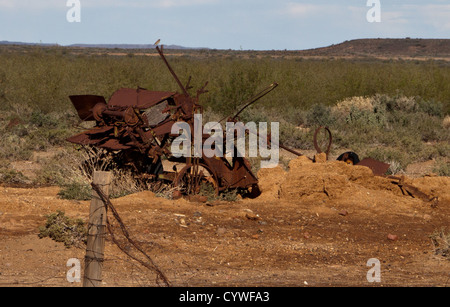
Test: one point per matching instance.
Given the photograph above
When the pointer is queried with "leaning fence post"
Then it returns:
(93, 261)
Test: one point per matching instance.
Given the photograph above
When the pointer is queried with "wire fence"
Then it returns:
(120, 236)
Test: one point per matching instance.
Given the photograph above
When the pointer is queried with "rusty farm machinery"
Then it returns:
(135, 127)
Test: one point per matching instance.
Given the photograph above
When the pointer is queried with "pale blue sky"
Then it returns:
(221, 24)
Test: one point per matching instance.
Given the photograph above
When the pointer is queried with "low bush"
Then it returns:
(11, 176)
(61, 228)
(442, 168)
(76, 191)
(441, 242)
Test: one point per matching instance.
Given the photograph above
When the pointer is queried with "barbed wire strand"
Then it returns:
(149, 264)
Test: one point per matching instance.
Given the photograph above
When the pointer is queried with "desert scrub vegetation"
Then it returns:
(25, 130)
(441, 242)
(72, 170)
(61, 228)
(11, 176)
(396, 129)
(392, 110)
(44, 77)
(442, 168)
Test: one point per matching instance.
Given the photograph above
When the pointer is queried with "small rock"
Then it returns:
(343, 213)
(306, 235)
(392, 237)
(252, 216)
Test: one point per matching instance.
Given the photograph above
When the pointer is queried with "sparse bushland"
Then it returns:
(10, 175)
(442, 168)
(25, 130)
(72, 170)
(43, 78)
(394, 111)
(395, 129)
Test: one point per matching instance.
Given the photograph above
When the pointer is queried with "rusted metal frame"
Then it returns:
(160, 51)
(141, 148)
(217, 172)
(196, 172)
(316, 145)
(290, 150)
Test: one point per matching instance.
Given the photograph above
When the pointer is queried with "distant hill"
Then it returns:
(381, 47)
(128, 46)
(102, 46)
(385, 47)
(25, 44)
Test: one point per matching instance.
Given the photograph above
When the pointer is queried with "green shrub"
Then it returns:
(9, 175)
(441, 242)
(442, 169)
(320, 115)
(432, 107)
(294, 137)
(61, 228)
(39, 119)
(76, 191)
(443, 149)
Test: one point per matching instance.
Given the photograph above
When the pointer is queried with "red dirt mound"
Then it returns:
(336, 180)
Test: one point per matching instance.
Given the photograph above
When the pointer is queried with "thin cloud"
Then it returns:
(145, 4)
(437, 16)
(31, 4)
(294, 9)
(106, 4)
(181, 3)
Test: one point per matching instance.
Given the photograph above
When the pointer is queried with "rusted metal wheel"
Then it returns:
(193, 182)
(349, 157)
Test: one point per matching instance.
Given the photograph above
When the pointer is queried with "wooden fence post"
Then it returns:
(93, 261)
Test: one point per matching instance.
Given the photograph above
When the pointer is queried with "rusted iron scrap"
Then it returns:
(135, 125)
(378, 168)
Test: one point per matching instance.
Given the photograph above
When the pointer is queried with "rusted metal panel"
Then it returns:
(138, 98)
(378, 168)
(114, 144)
(100, 130)
(84, 104)
(84, 139)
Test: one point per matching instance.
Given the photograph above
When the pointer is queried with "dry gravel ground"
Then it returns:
(317, 224)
